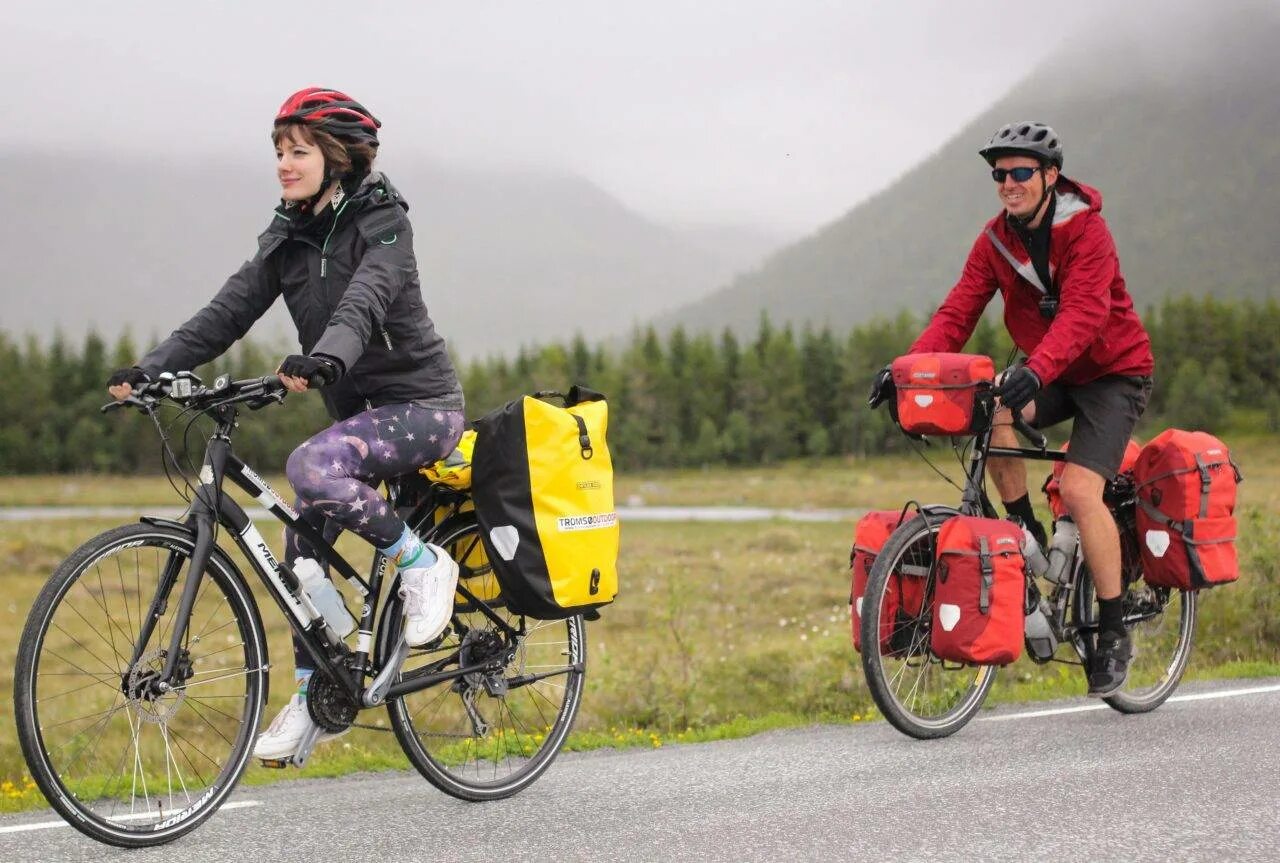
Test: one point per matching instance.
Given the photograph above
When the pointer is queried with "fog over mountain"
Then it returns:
(506, 259)
(1177, 123)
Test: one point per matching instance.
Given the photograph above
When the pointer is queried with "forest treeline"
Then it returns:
(675, 400)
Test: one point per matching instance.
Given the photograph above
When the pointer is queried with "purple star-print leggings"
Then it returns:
(335, 473)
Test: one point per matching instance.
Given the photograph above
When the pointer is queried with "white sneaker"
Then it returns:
(428, 592)
(280, 741)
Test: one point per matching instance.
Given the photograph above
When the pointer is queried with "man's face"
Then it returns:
(1020, 200)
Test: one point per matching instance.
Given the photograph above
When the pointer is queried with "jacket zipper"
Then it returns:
(386, 338)
(324, 260)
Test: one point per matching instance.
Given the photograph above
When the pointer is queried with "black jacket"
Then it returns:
(353, 294)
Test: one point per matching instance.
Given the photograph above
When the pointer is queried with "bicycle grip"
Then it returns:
(1021, 427)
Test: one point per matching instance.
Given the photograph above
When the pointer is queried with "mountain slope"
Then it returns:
(505, 259)
(1179, 130)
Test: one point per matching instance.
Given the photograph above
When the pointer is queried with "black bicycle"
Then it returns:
(142, 671)
(925, 697)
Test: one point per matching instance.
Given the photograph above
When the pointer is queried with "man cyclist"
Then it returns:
(1051, 256)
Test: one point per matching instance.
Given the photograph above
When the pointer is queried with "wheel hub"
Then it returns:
(155, 700)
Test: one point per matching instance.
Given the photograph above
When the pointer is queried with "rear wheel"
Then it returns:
(487, 735)
(1161, 624)
(123, 759)
(919, 694)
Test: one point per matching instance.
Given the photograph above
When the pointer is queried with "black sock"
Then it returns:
(1022, 509)
(1111, 616)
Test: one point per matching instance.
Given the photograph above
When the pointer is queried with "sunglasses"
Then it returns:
(1020, 175)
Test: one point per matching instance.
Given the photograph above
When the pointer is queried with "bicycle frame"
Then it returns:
(211, 508)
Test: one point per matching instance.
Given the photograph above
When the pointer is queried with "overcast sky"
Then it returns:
(774, 114)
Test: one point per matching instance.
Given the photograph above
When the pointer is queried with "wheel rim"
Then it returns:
(920, 687)
(129, 758)
(1161, 622)
(487, 732)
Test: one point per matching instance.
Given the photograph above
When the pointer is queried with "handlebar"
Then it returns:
(188, 390)
(1023, 428)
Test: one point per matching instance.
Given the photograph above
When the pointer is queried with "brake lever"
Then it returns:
(127, 400)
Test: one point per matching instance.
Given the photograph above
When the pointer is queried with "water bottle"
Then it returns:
(1041, 642)
(1034, 555)
(1062, 550)
(324, 596)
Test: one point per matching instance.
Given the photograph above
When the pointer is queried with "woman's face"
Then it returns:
(299, 167)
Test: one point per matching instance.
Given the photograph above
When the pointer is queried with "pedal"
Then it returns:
(274, 763)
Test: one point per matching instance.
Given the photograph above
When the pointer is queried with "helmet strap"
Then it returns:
(1025, 221)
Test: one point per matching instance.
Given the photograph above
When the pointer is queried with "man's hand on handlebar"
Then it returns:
(882, 388)
(1018, 387)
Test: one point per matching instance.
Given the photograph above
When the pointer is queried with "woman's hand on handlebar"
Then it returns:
(123, 382)
(299, 373)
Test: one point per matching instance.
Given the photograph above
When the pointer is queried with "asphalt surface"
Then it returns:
(1199, 779)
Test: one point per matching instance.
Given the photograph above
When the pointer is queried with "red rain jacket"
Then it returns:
(1096, 331)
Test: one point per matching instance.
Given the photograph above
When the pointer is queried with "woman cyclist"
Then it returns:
(340, 250)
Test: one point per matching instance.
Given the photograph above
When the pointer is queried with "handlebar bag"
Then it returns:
(979, 592)
(1052, 485)
(904, 594)
(943, 394)
(1186, 484)
(543, 490)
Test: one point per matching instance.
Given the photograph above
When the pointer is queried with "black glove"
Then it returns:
(316, 370)
(133, 376)
(882, 388)
(1018, 388)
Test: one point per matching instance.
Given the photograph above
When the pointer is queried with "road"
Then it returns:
(1198, 779)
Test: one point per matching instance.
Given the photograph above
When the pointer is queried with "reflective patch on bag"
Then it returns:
(923, 400)
(948, 616)
(1157, 542)
(505, 538)
(587, 522)
(859, 606)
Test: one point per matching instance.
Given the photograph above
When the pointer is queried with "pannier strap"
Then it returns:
(584, 439)
(988, 574)
(1206, 482)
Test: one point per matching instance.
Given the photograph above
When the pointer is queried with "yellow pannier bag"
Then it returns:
(454, 470)
(543, 488)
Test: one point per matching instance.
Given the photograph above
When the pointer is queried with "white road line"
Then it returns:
(1085, 708)
(48, 825)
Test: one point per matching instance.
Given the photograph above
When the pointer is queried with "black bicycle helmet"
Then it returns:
(1026, 138)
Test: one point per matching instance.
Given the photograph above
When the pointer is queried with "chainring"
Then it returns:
(328, 704)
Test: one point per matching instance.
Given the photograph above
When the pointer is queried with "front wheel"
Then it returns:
(124, 759)
(920, 695)
(486, 736)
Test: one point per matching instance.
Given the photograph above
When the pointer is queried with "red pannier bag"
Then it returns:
(1186, 522)
(904, 593)
(979, 591)
(1052, 484)
(943, 394)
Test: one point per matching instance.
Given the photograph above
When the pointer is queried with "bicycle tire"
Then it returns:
(440, 737)
(912, 545)
(1160, 656)
(177, 736)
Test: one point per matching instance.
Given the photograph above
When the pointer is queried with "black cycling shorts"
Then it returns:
(1105, 412)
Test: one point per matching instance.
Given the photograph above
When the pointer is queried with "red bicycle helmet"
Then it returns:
(333, 111)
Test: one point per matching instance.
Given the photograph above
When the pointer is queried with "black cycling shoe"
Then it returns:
(1109, 666)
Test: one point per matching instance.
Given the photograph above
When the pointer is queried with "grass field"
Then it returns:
(721, 629)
